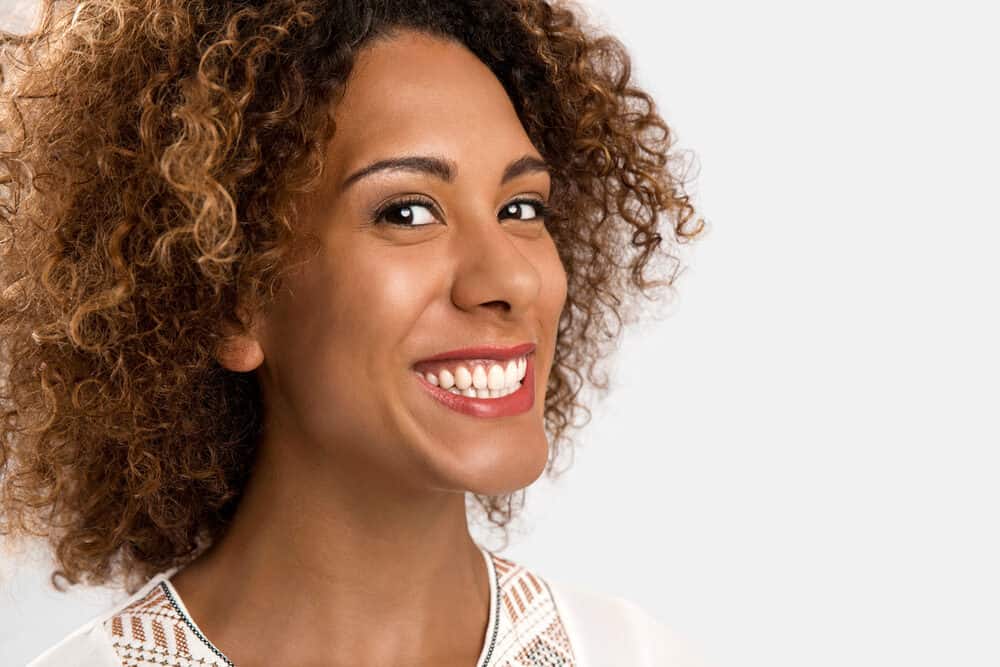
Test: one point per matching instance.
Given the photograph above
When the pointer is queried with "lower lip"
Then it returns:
(505, 406)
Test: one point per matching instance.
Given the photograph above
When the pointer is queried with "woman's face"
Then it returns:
(397, 282)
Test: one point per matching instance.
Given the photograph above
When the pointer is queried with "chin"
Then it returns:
(489, 456)
(498, 470)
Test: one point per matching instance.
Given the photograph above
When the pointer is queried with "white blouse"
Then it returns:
(533, 622)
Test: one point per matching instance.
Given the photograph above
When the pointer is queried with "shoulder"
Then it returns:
(607, 629)
(580, 627)
(87, 646)
(95, 644)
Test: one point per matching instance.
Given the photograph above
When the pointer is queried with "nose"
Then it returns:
(492, 270)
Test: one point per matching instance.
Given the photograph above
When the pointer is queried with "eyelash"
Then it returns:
(541, 209)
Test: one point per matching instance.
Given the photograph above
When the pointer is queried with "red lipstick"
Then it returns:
(506, 406)
(497, 352)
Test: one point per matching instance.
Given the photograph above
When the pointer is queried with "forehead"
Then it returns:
(415, 93)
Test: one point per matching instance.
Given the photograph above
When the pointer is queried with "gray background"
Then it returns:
(798, 466)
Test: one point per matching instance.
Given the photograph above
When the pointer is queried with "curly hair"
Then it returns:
(151, 154)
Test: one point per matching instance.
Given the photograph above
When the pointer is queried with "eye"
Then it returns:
(526, 209)
(410, 212)
(418, 212)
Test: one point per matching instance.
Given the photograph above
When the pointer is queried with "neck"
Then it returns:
(328, 564)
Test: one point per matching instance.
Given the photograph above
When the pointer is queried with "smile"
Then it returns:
(479, 379)
(482, 387)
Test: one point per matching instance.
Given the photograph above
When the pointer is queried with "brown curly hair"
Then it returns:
(151, 151)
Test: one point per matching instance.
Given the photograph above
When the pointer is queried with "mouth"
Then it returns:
(488, 381)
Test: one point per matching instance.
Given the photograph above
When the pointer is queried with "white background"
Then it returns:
(798, 466)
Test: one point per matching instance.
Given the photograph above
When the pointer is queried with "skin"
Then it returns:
(351, 544)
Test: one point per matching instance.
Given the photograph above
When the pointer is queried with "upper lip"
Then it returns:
(498, 352)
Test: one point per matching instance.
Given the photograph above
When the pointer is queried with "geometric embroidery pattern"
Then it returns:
(152, 631)
(531, 632)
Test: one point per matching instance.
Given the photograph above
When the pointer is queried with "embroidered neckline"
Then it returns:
(173, 597)
(154, 628)
(169, 591)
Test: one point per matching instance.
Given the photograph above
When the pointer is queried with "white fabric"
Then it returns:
(608, 631)
(89, 645)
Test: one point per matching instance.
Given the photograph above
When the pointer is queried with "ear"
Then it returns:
(240, 350)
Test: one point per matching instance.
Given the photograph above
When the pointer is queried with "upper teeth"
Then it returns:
(480, 376)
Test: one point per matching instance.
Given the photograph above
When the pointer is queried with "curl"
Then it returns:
(151, 154)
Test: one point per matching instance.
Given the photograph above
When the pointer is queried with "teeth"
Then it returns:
(511, 375)
(463, 378)
(495, 379)
(485, 393)
(479, 377)
(480, 380)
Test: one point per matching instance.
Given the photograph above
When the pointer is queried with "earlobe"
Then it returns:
(240, 352)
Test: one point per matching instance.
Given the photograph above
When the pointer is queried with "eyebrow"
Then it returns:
(442, 168)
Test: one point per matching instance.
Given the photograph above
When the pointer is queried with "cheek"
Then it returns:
(552, 300)
(345, 326)
(330, 347)
(554, 282)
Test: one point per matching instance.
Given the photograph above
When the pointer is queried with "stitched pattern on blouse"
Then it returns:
(150, 632)
(531, 632)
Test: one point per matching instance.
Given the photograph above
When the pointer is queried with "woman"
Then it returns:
(284, 284)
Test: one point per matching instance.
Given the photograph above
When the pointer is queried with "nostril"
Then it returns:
(502, 305)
